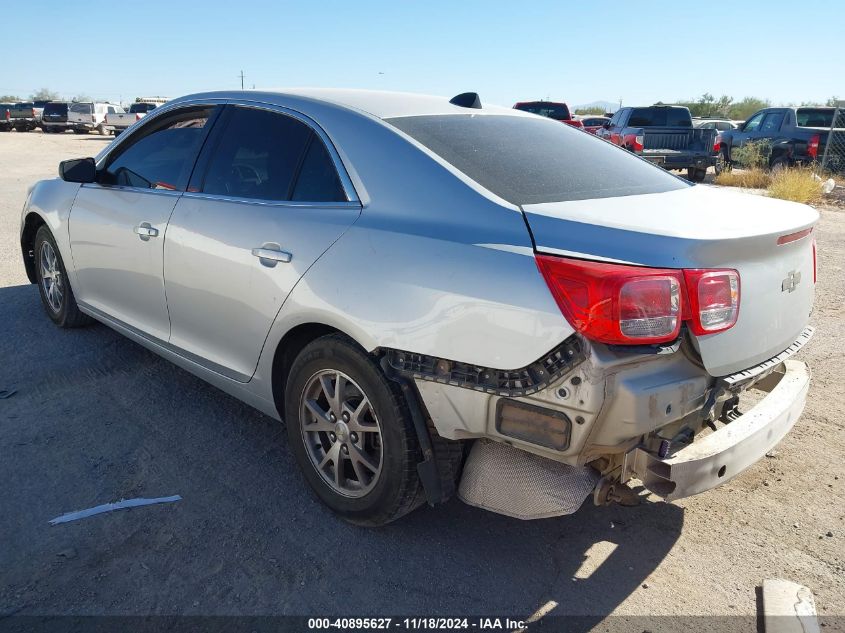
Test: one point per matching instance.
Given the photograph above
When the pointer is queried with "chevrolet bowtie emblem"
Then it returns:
(792, 280)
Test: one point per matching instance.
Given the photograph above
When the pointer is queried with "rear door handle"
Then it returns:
(271, 255)
(145, 231)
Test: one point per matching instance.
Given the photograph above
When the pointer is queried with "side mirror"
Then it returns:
(606, 126)
(78, 170)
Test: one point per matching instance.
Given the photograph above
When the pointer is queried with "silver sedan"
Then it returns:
(439, 296)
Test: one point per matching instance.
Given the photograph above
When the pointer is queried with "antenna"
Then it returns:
(242, 79)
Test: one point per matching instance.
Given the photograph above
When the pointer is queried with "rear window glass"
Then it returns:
(56, 108)
(141, 107)
(660, 117)
(82, 108)
(814, 117)
(528, 161)
(550, 110)
(595, 121)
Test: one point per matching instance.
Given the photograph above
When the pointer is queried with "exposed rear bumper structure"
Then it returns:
(718, 457)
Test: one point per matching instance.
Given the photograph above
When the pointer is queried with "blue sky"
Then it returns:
(507, 51)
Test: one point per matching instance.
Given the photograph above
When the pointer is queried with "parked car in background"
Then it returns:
(579, 319)
(592, 124)
(793, 136)
(713, 124)
(663, 135)
(39, 110)
(556, 110)
(6, 116)
(54, 117)
(85, 117)
(119, 121)
(22, 116)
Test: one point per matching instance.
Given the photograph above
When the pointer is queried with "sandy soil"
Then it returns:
(96, 418)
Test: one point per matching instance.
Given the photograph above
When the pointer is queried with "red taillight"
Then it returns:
(717, 144)
(632, 305)
(137, 116)
(714, 299)
(33, 113)
(813, 145)
(614, 303)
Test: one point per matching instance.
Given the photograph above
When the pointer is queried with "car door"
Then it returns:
(117, 225)
(750, 130)
(265, 202)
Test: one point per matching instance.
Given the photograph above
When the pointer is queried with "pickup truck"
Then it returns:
(556, 110)
(6, 116)
(665, 136)
(119, 121)
(796, 136)
(22, 117)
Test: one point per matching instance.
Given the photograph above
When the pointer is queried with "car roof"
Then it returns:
(378, 103)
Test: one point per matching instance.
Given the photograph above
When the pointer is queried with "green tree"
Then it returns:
(9, 98)
(741, 110)
(593, 110)
(708, 106)
(82, 97)
(832, 101)
(44, 94)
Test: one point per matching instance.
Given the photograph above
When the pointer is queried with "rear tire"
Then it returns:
(722, 162)
(321, 430)
(779, 164)
(102, 131)
(53, 285)
(696, 174)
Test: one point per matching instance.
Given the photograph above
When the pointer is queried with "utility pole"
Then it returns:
(242, 80)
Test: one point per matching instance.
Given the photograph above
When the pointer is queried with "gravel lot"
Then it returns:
(97, 418)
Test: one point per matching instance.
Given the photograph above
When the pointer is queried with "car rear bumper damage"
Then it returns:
(723, 454)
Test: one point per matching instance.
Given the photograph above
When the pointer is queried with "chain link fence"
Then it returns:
(833, 157)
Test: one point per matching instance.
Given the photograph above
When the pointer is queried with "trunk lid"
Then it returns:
(700, 227)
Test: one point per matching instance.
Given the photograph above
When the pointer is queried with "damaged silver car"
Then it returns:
(439, 296)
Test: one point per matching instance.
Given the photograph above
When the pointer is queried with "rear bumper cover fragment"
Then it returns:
(718, 457)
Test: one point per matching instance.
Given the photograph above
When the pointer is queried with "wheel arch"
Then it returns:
(288, 348)
(32, 222)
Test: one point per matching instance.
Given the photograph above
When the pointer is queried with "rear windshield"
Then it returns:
(528, 160)
(557, 111)
(82, 108)
(56, 108)
(595, 121)
(25, 104)
(660, 117)
(814, 117)
(141, 107)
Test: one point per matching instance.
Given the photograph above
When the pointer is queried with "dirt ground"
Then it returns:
(97, 418)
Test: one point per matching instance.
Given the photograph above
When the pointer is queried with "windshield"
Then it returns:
(660, 117)
(528, 160)
(82, 108)
(814, 117)
(556, 111)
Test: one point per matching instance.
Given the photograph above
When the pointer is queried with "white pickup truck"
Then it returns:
(118, 122)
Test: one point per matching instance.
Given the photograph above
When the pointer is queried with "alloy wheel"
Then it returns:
(51, 277)
(341, 432)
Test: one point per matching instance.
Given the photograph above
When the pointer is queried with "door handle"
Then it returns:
(145, 231)
(272, 255)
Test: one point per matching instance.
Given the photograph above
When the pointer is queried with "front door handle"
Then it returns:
(268, 255)
(145, 231)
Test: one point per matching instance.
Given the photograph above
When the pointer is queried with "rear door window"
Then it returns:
(160, 155)
(772, 122)
(529, 160)
(257, 156)
(317, 180)
(82, 108)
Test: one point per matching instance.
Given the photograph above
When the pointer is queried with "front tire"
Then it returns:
(779, 164)
(56, 293)
(351, 433)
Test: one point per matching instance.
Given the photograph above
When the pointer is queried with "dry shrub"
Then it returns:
(798, 185)
(748, 178)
